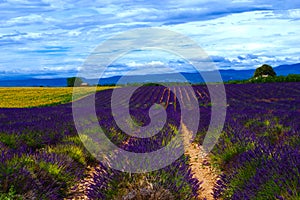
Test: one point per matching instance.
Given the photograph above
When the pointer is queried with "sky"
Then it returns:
(53, 38)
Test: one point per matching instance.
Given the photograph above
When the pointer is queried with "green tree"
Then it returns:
(264, 70)
(74, 82)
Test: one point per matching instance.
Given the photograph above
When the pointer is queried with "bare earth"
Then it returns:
(199, 162)
(200, 166)
(79, 192)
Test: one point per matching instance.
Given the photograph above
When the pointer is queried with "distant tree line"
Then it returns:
(106, 84)
(266, 74)
(263, 74)
(269, 79)
(74, 81)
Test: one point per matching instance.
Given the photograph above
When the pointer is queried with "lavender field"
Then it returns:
(256, 157)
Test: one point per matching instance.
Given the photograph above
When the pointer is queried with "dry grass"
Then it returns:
(22, 97)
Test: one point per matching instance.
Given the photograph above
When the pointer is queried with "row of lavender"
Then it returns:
(258, 149)
(40, 152)
(171, 182)
(42, 156)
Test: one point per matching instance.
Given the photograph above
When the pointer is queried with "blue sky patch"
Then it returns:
(54, 37)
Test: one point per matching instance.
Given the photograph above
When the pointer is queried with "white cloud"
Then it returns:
(74, 33)
(294, 13)
(27, 19)
(246, 33)
(60, 4)
(149, 64)
(228, 29)
(18, 1)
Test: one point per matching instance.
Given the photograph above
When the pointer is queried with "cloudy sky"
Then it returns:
(53, 38)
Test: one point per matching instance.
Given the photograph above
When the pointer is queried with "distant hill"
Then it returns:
(31, 82)
(191, 77)
(227, 75)
(287, 69)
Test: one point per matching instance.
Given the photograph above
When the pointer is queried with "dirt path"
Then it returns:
(79, 192)
(200, 166)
